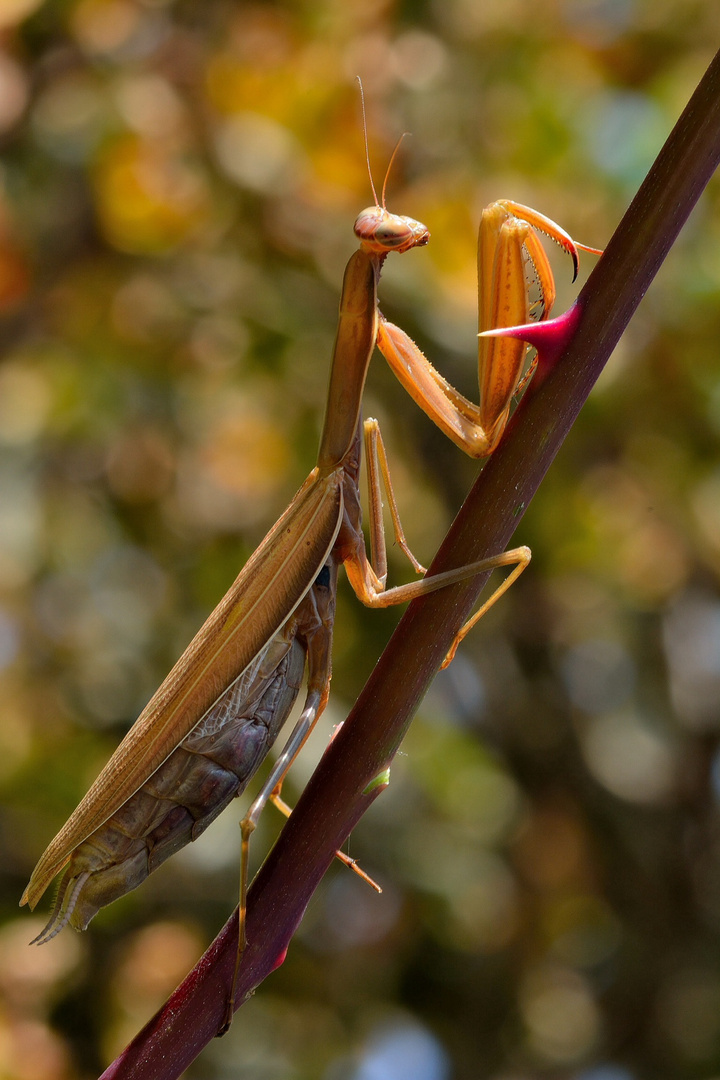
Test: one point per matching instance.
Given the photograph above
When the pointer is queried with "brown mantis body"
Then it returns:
(200, 777)
(205, 731)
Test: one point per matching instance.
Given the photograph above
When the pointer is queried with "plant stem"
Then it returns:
(336, 796)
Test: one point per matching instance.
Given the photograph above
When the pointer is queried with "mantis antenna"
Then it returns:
(390, 165)
(367, 150)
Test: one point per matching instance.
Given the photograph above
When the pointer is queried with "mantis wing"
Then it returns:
(264, 595)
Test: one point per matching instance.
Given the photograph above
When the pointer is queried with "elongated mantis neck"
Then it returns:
(354, 344)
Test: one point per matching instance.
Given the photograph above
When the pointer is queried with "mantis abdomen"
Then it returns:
(186, 793)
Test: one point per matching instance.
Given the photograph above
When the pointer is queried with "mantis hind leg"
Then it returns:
(315, 629)
(314, 705)
(352, 864)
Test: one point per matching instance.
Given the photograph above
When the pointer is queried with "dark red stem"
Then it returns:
(336, 796)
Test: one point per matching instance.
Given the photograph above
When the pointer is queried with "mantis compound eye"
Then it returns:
(381, 232)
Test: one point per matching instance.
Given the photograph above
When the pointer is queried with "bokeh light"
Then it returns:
(178, 184)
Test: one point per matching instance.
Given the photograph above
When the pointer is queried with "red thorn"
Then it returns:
(280, 959)
(550, 338)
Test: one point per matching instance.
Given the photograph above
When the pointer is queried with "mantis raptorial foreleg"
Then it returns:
(507, 242)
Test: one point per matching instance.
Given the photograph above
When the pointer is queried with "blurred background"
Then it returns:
(178, 183)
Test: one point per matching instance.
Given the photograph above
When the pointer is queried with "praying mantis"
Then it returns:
(205, 731)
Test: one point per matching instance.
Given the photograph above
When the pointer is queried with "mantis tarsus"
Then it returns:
(211, 722)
